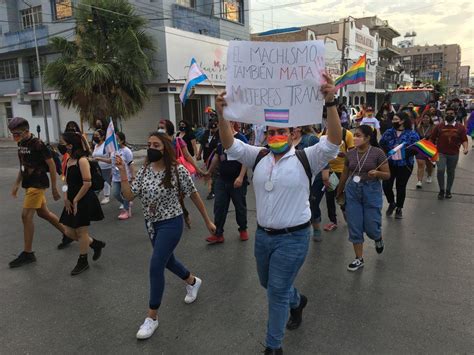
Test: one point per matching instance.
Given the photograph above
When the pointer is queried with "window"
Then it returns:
(232, 10)
(9, 110)
(362, 100)
(356, 100)
(30, 16)
(37, 108)
(33, 66)
(8, 69)
(187, 3)
(62, 9)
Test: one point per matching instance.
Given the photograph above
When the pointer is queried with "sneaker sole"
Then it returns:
(143, 337)
(355, 269)
(80, 272)
(214, 242)
(22, 264)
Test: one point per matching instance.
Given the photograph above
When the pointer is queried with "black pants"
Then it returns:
(225, 192)
(331, 203)
(401, 174)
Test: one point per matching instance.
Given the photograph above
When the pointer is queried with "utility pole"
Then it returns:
(343, 64)
(43, 103)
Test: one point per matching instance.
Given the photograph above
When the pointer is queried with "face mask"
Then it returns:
(96, 139)
(396, 125)
(161, 130)
(278, 144)
(154, 155)
(182, 129)
(449, 118)
(62, 149)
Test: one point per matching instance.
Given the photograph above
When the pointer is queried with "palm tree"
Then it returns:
(103, 72)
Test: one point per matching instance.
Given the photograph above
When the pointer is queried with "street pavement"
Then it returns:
(417, 297)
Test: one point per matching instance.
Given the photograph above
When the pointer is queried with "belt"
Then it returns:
(271, 231)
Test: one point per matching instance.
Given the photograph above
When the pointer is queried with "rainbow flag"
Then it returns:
(426, 148)
(354, 75)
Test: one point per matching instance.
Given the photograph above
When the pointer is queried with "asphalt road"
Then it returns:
(417, 297)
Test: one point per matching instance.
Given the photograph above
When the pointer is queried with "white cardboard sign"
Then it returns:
(275, 83)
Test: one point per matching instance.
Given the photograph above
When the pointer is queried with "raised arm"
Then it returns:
(334, 129)
(225, 131)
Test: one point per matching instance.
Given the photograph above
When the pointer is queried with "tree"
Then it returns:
(103, 72)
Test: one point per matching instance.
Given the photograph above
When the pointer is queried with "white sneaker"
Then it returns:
(105, 200)
(192, 291)
(429, 180)
(121, 207)
(147, 328)
(419, 184)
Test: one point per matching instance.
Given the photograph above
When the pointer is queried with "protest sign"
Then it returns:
(275, 83)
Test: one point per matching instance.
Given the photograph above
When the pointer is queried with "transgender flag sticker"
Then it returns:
(277, 115)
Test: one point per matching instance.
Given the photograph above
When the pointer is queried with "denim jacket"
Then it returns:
(390, 140)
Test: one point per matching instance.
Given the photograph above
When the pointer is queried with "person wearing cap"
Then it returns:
(282, 193)
(371, 120)
(35, 163)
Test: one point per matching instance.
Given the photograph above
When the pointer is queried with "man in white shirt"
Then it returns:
(282, 194)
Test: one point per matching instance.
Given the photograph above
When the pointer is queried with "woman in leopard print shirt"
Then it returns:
(161, 184)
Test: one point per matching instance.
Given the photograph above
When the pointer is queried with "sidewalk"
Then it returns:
(7, 143)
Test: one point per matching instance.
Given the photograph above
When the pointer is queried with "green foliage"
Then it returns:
(440, 86)
(103, 72)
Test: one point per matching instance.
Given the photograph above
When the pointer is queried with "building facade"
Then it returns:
(464, 74)
(182, 30)
(437, 62)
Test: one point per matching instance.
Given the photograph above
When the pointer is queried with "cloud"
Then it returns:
(440, 22)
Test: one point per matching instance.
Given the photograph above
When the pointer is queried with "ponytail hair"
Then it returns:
(80, 147)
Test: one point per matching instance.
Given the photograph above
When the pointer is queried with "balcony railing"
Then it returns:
(25, 39)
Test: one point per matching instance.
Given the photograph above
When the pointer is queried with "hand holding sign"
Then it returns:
(277, 83)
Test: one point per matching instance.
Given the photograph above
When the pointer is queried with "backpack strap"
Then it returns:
(303, 158)
(261, 154)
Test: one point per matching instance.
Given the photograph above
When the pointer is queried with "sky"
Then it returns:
(435, 22)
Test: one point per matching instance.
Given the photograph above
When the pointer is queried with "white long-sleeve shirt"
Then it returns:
(287, 204)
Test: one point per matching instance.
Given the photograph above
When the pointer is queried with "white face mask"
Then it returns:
(161, 130)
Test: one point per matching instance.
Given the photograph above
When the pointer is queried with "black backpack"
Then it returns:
(302, 157)
(97, 179)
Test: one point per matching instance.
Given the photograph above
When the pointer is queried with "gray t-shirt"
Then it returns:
(375, 156)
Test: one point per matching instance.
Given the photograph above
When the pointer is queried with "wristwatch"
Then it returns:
(332, 103)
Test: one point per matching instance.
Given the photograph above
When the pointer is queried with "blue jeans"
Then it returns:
(225, 192)
(166, 237)
(279, 258)
(117, 193)
(364, 210)
(446, 163)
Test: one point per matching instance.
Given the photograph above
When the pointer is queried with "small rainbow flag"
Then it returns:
(354, 75)
(426, 148)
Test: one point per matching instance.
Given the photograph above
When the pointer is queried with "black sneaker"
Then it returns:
(390, 209)
(81, 266)
(65, 242)
(97, 246)
(379, 246)
(448, 195)
(296, 315)
(398, 213)
(269, 351)
(441, 195)
(210, 196)
(23, 259)
(356, 264)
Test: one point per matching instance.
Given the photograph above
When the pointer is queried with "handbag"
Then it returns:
(182, 160)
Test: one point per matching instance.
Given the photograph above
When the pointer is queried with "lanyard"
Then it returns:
(366, 155)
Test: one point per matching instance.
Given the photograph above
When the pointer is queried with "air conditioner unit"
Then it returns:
(20, 94)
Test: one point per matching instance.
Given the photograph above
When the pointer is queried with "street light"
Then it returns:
(43, 103)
